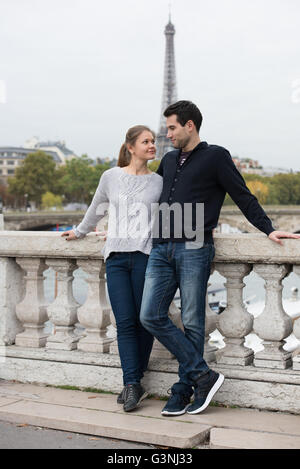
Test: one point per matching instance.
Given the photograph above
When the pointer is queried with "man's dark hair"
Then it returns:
(185, 111)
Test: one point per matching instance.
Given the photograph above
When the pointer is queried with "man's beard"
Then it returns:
(182, 143)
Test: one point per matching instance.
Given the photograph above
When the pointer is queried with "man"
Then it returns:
(195, 173)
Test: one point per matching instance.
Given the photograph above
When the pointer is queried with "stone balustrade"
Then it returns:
(80, 350)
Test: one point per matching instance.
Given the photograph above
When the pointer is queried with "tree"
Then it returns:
(8, 199)
(78, 180)
(259, 189)
(34, 177)
(153, 165)
(50, 200)
(280, 189)
(286, 188)
(75, 179)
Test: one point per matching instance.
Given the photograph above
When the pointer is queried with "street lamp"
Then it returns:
(26, 202)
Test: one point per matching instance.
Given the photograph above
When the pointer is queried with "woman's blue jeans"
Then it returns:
(171, 266)
(125, 282)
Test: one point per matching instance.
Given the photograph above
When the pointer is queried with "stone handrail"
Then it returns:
(24, 256)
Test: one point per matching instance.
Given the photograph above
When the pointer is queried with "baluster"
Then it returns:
(235, 322)
(211, 319)
(296, 329)
(94, 314)
(11, 293)
(32, 311)
(273, 324)
(63, 311)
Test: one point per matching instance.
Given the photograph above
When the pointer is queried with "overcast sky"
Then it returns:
(84, 71)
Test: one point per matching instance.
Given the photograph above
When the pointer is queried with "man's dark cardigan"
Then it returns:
(205, 177)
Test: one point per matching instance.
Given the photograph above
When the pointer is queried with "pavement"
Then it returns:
(24, 436)
(34, 416)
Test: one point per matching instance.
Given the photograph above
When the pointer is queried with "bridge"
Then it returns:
(34, 221)
(65, 354)
(286, 218)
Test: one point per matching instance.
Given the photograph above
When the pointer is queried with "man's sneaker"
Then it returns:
(133, 395)
(177, 404)
(206, 387)
(121, 396)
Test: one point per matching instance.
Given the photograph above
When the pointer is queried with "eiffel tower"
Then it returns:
(169, 90)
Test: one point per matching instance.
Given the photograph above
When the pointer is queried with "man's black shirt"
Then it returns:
(205, 177)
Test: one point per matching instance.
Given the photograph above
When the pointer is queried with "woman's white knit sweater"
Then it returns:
(131, 202)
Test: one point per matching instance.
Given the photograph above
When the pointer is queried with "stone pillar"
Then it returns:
(11, 292)
(235, 322)
(63, 311)
(211, 319)
(296, 329)
(94, 314)
(32, 311)
(273, 325)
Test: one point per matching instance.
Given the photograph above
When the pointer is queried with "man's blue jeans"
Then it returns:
(172, 265)
(125, 282)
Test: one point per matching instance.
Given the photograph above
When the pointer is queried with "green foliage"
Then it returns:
(283, 189)
(259, 189)
(79, 179)
(7, 198)
(228, 200)
(76, 181)
(50, 200)
(153, 166)
(34, 177)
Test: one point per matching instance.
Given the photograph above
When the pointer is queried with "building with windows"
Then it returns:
(59, 147)
(247, 165)
(12, 157)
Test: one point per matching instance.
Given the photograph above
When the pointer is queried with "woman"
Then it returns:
(129, 189)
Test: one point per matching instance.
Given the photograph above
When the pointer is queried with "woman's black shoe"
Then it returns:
(120, 399)
(133, 395)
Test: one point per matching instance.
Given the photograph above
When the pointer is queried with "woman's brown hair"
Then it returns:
(130, 139)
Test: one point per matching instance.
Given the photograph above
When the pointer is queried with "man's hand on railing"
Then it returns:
(276, 235)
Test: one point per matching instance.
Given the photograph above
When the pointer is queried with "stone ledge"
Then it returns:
(243, 387)
(250, 373)
(44, 244)
(234, 248)
(221, 438)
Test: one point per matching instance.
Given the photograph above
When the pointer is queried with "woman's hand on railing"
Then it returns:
(102, 234)
(69, 235)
